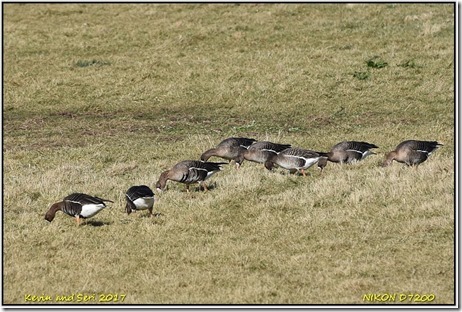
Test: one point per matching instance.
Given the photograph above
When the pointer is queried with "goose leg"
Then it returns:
(77, 219)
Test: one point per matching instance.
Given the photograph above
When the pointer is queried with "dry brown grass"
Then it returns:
(98, 98)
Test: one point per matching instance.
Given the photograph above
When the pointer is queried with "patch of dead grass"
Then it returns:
(178, 79)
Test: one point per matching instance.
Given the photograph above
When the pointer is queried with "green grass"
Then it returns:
(100, 97)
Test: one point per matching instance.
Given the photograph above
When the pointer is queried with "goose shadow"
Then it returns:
(154, 215)
(95, 223)
(210, 187)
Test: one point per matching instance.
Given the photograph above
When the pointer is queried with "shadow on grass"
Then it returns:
(154, 215)
(197, 188)
(210, 187)
(95, 223)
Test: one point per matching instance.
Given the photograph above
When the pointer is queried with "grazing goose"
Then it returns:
(188, 172)
(139, 197)
(78, 205)
(411, 152)
(350, 151)
(260, 152)
(229, 149)
(295, 159)
(347, 152)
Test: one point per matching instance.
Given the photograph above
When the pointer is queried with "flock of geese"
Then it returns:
(296, 160)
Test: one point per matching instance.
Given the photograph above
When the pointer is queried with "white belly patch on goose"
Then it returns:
(144, 202)
(90, 210)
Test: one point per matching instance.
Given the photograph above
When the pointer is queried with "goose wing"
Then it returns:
(426, 147)
(298, 158)
(71, 208)
(269, 146)
(244, 142)
(236, 142)
(302, 153)
(139, 191)
(194, 170)
(354, 146)
(85, 199)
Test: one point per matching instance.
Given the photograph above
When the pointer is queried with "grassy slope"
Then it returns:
(166, 82)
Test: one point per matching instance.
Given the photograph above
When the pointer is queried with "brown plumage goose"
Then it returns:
(350, 151)
(188, 172)
(77, 205)
(229, 149)
(294, 159)
(411, 152)
(260, 152)
(347, 152)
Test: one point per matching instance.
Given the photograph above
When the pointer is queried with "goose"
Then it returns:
(350, 151)
(260, 152)
(229, 149)
(188, 172)
(139, 197)
(411, 152)
(347, 152)
(78, 205)
(295, 159)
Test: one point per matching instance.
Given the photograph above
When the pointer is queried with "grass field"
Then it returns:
(100, 97)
